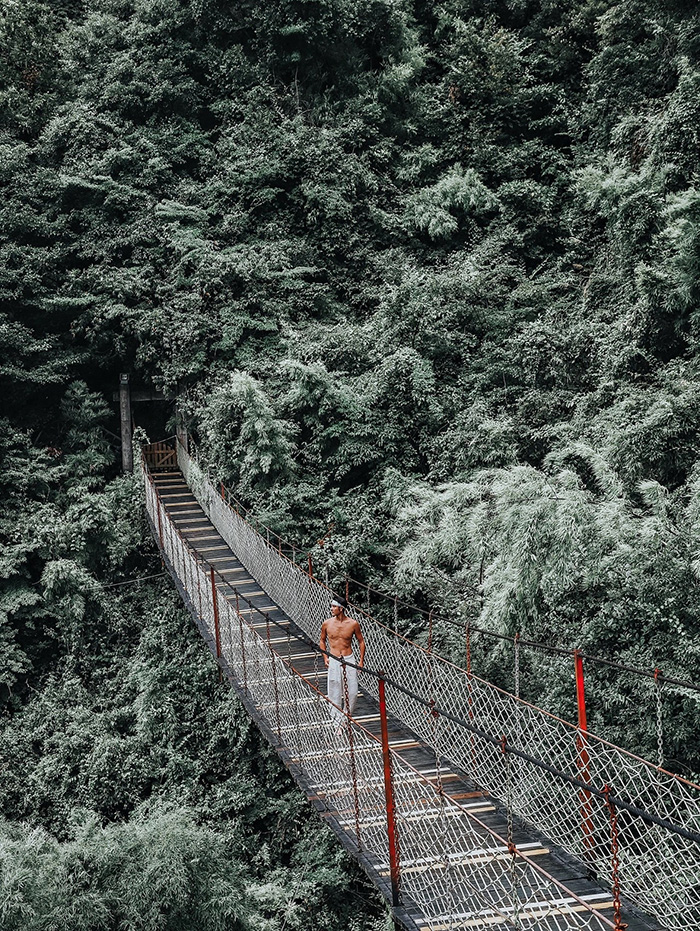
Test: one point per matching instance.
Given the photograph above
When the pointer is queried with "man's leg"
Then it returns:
(351, 674)
(335, 688)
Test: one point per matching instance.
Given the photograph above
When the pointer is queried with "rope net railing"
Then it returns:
(615, 690)
(454, 868)
(374, 597)
(559, 774)
(639, 685)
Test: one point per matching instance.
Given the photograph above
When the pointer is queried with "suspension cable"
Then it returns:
(497, 742)
(134, 581)
(434, 709)
(530, 644)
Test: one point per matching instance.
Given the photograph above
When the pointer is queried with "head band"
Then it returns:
(337, 604)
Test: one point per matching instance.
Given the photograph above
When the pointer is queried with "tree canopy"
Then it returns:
(426, 273)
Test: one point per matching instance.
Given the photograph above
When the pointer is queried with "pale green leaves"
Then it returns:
(460, 194)
(160, 870)
(242, 432)
(518, 544)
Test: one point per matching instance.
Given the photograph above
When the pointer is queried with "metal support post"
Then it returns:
(243, 656)
(160, 524)
(271, 654)
(583, 761)
(217, 632)
(392, 833)
(199, 587)
(125, 423)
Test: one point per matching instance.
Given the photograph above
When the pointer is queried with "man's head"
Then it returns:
(338, 605)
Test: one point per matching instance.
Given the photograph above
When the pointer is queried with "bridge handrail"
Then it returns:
(242, 659)
(657, 675)
(430, 654)
(360, 614)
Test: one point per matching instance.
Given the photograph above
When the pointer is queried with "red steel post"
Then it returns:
(468, 647)
(394, 867)
(311, 568)
(177, 556)
(186, 571)
(583, 758)
(580, 691)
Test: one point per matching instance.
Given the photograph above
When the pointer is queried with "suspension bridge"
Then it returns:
(467, 807)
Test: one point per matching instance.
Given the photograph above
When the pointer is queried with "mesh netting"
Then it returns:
(440, 843)
(457, 871)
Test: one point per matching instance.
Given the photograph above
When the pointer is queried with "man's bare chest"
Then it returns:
(340, 630)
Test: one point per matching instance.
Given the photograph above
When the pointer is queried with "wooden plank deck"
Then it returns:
(466, 910)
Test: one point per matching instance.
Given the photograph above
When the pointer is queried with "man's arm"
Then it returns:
(361, 642)
(322, 642)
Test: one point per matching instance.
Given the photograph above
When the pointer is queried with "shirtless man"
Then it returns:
(336, 637)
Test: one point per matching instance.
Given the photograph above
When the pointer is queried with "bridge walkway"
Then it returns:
(464, 907)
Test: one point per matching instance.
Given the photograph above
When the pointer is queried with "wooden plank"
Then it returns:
(540, 911)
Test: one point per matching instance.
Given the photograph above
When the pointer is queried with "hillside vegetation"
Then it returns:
(427, 273)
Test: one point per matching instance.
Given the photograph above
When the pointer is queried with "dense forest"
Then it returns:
(426, 274)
